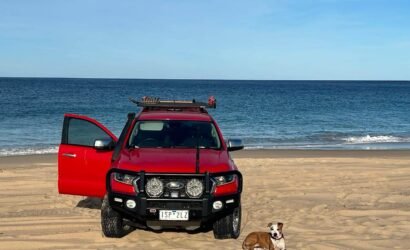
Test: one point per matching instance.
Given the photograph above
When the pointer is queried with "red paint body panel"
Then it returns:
(83, 173)
(173, 160)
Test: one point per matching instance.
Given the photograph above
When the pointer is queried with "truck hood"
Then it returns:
(175, 160)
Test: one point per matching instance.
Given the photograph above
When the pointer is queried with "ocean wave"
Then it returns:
(374, 139)
(28, 151)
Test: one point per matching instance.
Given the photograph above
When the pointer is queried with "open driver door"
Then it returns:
(84, 156)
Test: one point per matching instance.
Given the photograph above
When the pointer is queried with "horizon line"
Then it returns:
(201, 79)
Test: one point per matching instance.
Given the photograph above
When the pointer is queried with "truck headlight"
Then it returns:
(224, 179)
(124, 178)
(154, 187)
(194, 188)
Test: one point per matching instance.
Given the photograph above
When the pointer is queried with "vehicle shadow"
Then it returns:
(90, 202)
(177, 230)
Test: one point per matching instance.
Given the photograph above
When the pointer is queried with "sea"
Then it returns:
(345, 115)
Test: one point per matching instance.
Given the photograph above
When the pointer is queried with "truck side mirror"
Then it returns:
(235, 144)
(104, 144)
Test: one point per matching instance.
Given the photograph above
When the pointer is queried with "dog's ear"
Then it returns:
(270, 224)
(280, 226)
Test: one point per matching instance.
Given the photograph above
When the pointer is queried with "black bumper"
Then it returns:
(146, 211)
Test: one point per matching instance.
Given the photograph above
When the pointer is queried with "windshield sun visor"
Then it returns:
(151, 126)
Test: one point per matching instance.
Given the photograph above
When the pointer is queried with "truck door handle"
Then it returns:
(69, 155)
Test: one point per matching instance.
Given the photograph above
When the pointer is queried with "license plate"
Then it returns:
(173, 214)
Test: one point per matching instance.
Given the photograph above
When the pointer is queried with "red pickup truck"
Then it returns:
(170, 168)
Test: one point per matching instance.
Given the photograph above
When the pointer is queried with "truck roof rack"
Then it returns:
(154, 103)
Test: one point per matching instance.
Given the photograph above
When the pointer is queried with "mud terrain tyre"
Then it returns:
(229, 226)
(112, 222)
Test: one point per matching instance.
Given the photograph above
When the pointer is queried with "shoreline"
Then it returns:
(321, 153)
(24, 160)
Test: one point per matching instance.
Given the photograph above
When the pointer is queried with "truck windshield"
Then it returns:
(174, 134)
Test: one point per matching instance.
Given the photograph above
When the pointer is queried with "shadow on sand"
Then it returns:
(90, 202)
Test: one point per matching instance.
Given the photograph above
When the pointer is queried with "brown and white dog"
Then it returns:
(263, 240)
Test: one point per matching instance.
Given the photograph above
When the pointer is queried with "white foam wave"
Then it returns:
(373, 139)
(28, 151)
(255, 147)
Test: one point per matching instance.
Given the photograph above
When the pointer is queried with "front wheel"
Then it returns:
(112, 222)
(229, 226)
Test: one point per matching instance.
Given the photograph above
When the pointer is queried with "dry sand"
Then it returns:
(326, 199)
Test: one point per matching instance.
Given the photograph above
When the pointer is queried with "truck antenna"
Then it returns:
(197, 151)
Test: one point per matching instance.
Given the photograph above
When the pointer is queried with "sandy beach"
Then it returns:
(326, 199)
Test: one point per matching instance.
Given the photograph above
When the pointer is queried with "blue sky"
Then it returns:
(277, 39)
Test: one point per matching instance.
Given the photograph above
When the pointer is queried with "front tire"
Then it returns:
(229, 226)
(112, 223)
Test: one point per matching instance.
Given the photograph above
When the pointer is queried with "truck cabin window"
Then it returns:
(174, 134)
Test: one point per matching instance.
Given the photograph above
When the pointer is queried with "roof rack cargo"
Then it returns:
(155, 102)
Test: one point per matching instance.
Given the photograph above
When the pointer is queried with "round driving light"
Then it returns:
(154, 187)
(217, 205)
(131, 204)
(194, 188)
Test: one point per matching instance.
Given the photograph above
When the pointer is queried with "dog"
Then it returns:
(274, 240)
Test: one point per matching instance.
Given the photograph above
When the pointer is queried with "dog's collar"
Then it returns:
(281, 237)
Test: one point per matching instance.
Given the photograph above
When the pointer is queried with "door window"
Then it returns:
(84, 133)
